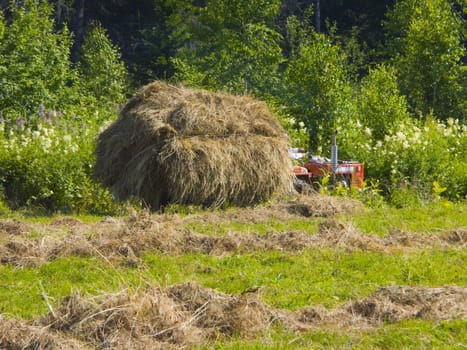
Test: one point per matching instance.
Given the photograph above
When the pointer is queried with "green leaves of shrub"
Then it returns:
(34, 61)
(101, 71)
(47, 163)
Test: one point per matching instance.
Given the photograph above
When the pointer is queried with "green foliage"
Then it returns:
(411, 157)
(102, 73)
(34, 61)
(46, 157)
(47, 162)
(380, 106)
(427, 52)
(317, 91)
(289, 281)
(2, 26)
(230, 45)
(334, 278)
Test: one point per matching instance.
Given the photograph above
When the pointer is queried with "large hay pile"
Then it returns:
(178, 145)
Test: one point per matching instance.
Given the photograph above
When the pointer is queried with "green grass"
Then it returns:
(429, 219)
(313, 277)
(309, 225)
(328, 277)
(21, 289)
(410, 334)
(289, 281)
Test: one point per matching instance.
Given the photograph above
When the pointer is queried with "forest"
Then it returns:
(389, 76)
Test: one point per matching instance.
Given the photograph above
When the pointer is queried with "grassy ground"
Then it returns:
(288, 280)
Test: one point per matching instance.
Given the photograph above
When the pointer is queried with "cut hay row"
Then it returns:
(128, 239)
(186, 315)
(316, 206)
(178, 145)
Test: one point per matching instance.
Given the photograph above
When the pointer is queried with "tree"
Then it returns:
(230, 45)
(102, 73)
(34, 61)
(425, 47)
(318, 92)
(380, 106)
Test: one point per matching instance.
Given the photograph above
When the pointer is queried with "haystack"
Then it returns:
(178, 145)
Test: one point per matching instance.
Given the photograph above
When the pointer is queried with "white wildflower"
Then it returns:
(46, 143)
(401, 135)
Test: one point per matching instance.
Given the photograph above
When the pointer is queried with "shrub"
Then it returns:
(47, 161)
(413, 154)
(34, 61)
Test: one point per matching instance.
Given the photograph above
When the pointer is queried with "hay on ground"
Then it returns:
(178, 145)
(186, 315)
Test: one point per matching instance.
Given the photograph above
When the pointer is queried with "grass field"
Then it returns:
(313, 272)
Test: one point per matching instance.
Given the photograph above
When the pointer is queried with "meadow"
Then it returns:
(336, 275)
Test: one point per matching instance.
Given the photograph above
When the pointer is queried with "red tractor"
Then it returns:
(314, 168)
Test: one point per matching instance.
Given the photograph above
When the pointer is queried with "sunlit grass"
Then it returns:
(409, 334)
(288, 281)
(428, 219)
(308, 225)
(325, 277)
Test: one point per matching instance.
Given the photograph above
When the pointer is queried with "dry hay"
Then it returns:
(126, 239)
(186, 315)
(333, 233)
(18, 334)
(315, 205)
(179, 145)
(456, 236)
(387, 305)
(12, 227)
(396, 303)
(318, 205)
(181, 315)
(244, 315)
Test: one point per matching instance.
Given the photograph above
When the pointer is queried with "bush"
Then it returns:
(34, 61)
(47, 162)
(414, 154)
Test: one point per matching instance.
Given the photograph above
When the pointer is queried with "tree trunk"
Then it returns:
(318, 16)
(77, 26)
